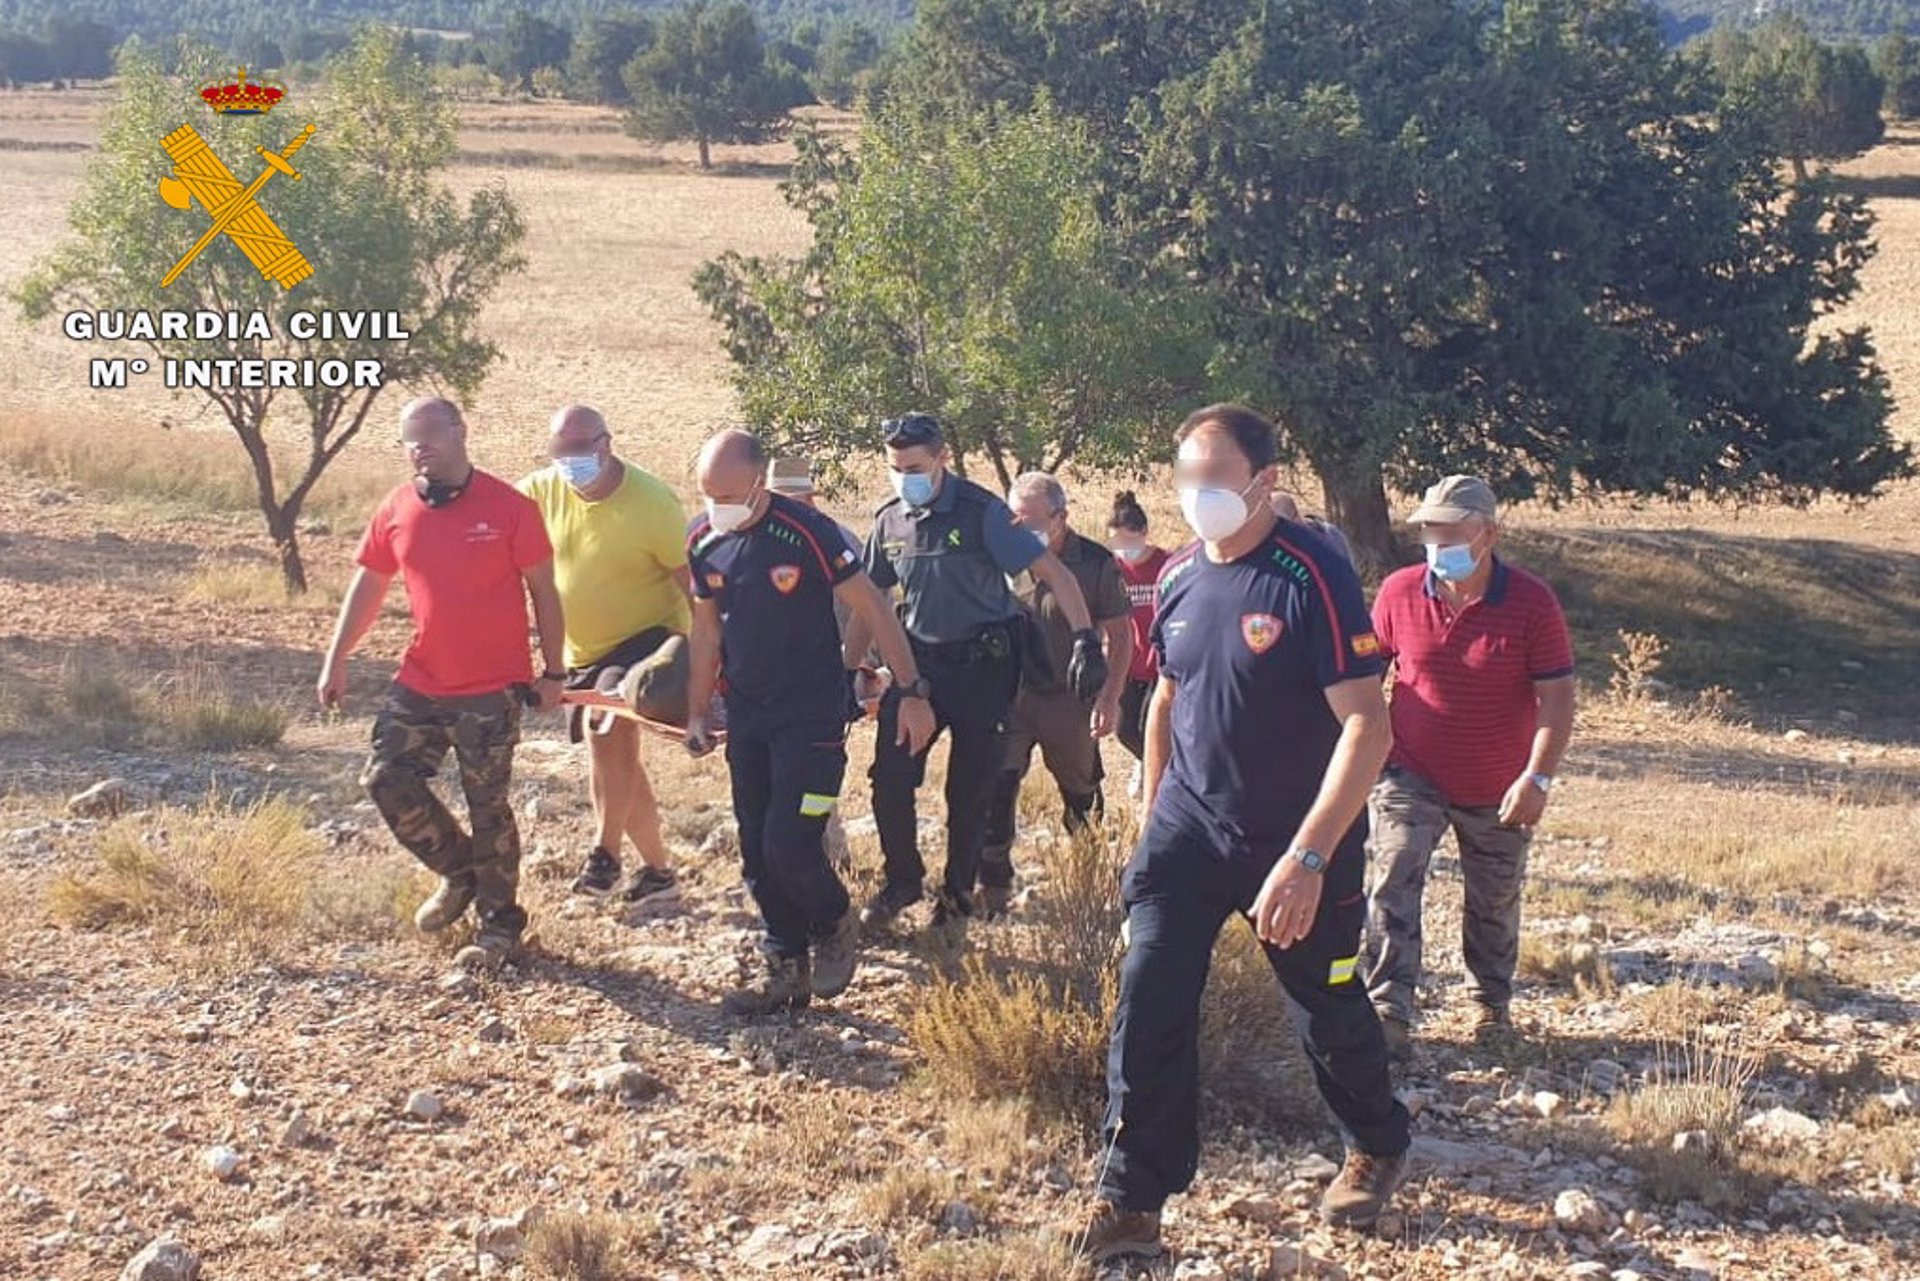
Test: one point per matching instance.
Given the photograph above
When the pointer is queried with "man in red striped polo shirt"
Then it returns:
(1482, 709)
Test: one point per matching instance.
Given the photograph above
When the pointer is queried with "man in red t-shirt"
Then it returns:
(1482, 710)
(470, 548)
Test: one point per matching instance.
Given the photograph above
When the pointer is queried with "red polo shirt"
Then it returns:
(1464, 710)
(462, 564)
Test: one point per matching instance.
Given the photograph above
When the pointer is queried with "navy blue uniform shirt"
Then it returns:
(779, 640)
(951, 560)
(1251, 646)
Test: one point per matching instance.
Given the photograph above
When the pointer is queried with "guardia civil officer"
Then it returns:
(948, 546)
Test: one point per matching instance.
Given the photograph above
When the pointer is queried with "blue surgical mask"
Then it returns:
(1452, 563)
(915, 488)
(580, 470)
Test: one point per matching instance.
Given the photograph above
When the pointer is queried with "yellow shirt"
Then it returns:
(613, 559)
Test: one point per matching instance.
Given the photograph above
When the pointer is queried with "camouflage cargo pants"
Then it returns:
(411, 737)
(1409, 818)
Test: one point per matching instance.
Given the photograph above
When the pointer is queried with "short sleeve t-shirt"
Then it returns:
(1094, 568)
(462, 565)
(1252, 646)
(1142, 577)
(951, 561)
(774, 584)
(613, 559)
(1464, 705)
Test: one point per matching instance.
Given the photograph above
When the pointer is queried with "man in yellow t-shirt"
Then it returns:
(620, 561)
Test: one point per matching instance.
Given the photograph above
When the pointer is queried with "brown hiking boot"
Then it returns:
(656, 686)
(446, 905)
(1113, 1233)
(491, 948)
(1491, 1021)
(785, 984)
(1399, 1038)
(1360, 1192)
(835, 955)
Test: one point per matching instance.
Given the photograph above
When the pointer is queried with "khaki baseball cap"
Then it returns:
(790, 476)
(1453, 500)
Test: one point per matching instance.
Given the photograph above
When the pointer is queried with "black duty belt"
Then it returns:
(994, 644)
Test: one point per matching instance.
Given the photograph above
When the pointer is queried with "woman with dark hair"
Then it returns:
(1140, 565)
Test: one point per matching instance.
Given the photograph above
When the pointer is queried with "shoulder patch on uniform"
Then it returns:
(716, 581)
(1260, 631)
(1365, 645)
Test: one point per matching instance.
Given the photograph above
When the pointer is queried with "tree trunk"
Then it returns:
(706, 153)
(1357, 502)
(283, 524)
(1800, 169)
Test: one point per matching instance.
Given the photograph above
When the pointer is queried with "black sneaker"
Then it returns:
(599, 876)
(653, 885)
(991, 902)
(885, 907)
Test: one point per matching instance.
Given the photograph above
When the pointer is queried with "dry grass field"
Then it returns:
(1723, 938)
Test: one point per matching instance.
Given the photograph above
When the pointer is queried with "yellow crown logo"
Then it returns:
(240, 98)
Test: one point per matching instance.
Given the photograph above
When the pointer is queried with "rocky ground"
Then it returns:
(341, 1106)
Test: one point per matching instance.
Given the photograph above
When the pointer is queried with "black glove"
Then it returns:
(1087, 669)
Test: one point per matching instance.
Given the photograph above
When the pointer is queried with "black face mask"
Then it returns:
(438, 493)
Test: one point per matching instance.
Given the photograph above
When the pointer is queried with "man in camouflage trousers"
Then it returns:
(471, 549)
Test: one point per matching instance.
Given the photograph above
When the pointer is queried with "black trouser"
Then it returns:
(785, 784)
(972, 699)
(1132, 731)
(1178, 893)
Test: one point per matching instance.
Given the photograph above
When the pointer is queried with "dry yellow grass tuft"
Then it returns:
(233, 885)
(1004, 1259)
(1682, 1127)
(101, 704)
(588, 1247)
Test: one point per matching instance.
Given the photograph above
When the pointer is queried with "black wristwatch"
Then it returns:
(918, 687)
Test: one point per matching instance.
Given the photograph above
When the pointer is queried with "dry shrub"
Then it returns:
(195, 710)
(996, 1036)
(586, 1247)
(1696, 1086)
(233, 885)
(1005, 1259)
(988, 1138)
(908, 1194)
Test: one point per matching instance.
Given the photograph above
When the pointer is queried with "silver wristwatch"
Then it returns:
(1313, 860)
(1542, 781)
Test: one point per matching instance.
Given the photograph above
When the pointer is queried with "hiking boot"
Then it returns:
(656, 686)
(947, 935)
(653, 885)
(785, 985)
(993, 901)
(1491, 1020)
(834, 956)
(599, 876)
(1399, 1038)
(1360, 1192)
(445, 905)
(491, 948)
(884, 908)
(1113, 1233)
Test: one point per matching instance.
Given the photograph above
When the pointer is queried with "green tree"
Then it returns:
(844, 66)
(1813, 100)
(529, 44)
(962, 268)
(370, 214)
(708, 78)
(1896, 60)
(601, 52)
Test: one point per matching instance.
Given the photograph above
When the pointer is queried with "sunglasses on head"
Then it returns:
(911, 430)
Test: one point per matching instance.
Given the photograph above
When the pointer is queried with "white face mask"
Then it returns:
(727, 517)
(1132, 555)
(1215, 514)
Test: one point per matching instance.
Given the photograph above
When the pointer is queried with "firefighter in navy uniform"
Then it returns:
(949, 546)
(767, 572)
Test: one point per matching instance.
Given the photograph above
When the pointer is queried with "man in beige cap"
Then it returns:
(1482, 710)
